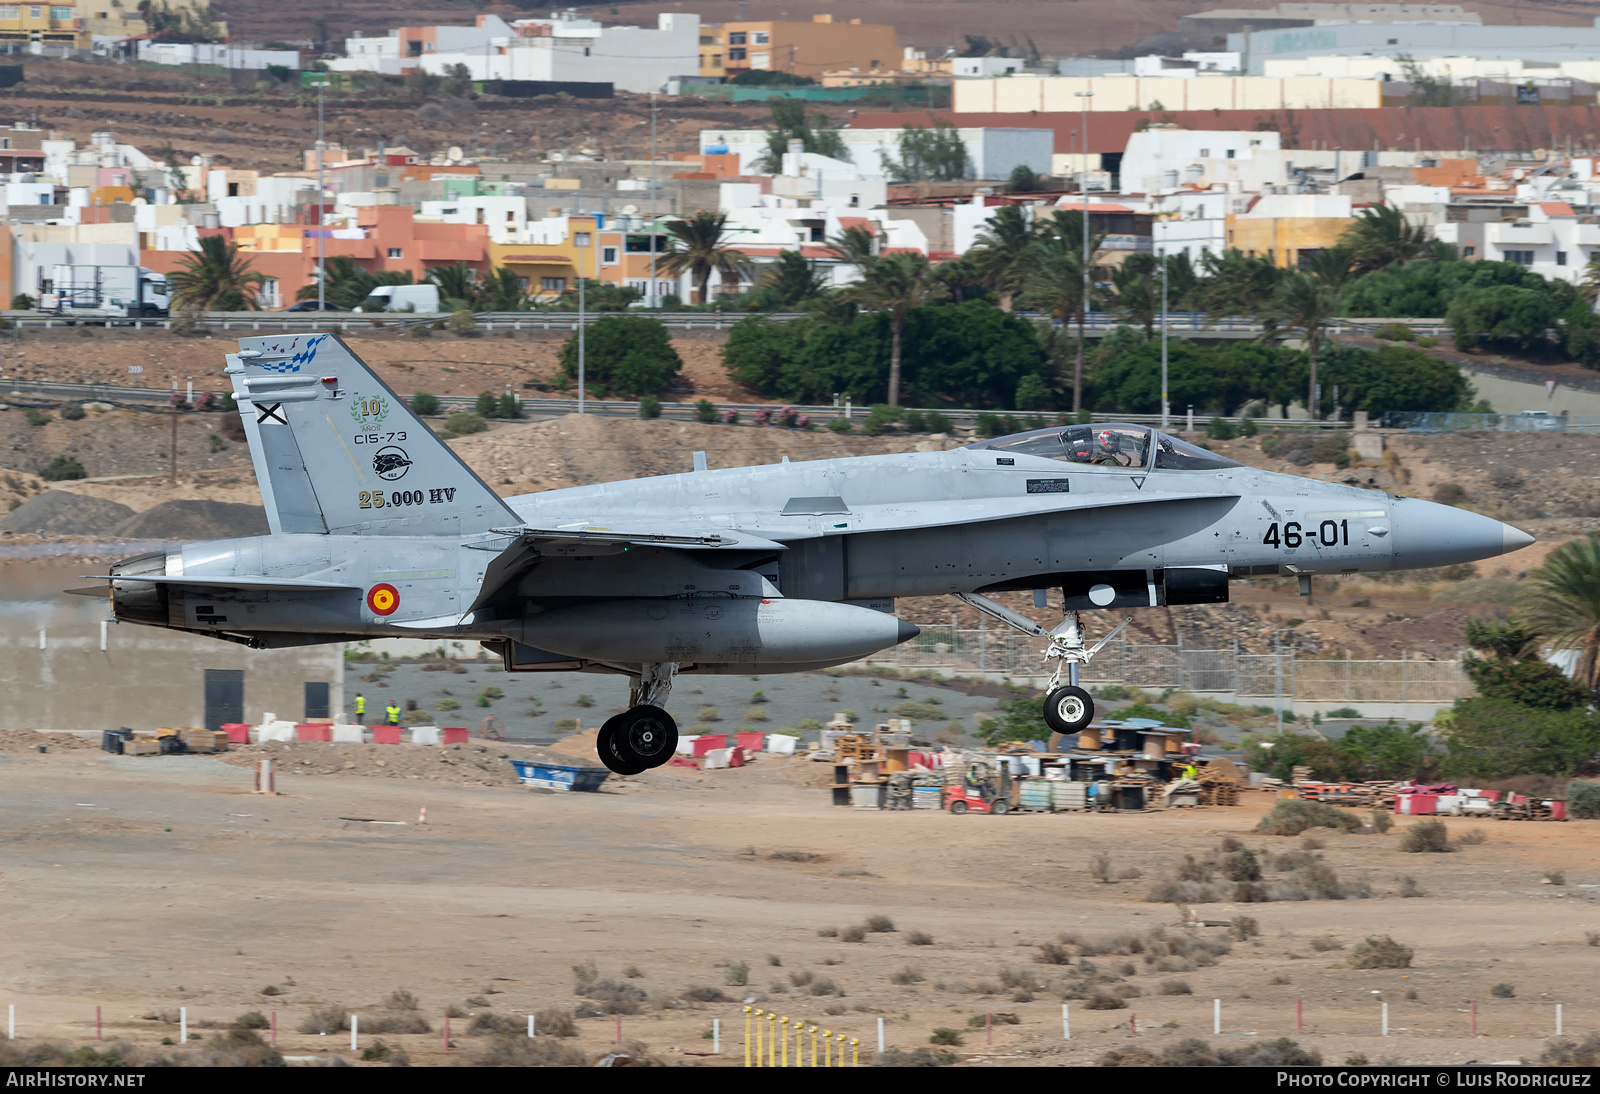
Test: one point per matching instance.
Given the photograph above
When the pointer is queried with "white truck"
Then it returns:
(105, 292)
(412, 298)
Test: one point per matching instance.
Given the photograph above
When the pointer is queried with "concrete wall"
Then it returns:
(145, 677)
(1515, 396)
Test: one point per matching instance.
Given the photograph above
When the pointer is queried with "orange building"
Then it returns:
(802, 49)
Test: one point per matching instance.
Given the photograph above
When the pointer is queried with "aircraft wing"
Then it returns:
(227, 582)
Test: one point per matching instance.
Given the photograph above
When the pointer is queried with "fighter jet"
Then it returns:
(378, 529)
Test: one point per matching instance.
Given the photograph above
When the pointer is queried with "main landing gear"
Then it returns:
(1068, 708)
(644, 735)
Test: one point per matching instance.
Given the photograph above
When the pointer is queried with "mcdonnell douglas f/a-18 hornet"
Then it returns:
(378, 529)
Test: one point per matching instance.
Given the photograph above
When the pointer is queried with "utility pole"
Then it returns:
(650, 297)
(322, 220)
(1083, 310)
(580, 241)
(1164, 401)
(174, 449)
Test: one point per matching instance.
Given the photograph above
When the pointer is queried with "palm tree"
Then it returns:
(1333, 267)
(961, 279)
(457, 284)
(502, 291)
(1302, 302)
(895, 284)
(1235, 285)
(349, 284)
(855, 246)
(1561, 601)
(1589, 287)
(219, 278)
(1138, 296)
(698, 250)
(1052, 280)
(999, 251)
(1381, 236)
(791, 280)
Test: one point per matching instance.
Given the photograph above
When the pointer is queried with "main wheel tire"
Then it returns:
(1068, 709)
(999, 808)
(605, 747)
(959, 808)
(646, 736)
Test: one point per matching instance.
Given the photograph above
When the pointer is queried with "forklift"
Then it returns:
(981, 791)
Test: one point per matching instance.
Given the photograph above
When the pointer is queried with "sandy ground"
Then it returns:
(145, 884)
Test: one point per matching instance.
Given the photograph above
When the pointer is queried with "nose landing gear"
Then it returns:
(1068, 708)
(645, 735)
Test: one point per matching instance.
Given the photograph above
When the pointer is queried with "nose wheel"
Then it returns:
(1067, 707)
(637, 740)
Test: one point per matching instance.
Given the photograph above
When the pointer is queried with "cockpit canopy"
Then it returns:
(1108, 445)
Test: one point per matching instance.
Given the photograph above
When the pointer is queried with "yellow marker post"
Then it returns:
(813, 1046)
(855, 1052)
(785, 1058)
(772, 1039)
(827, 1048)
(799, 1043)
(840, 1036)
(759, 1013)
(746, 1036)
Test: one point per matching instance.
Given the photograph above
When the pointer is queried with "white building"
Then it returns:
(273, 202)
(504, 216)
(404, 48)
(992, 153)
(636, 59)
(1194, 222)
(980, 67)
(223, 56)
(1163, 158)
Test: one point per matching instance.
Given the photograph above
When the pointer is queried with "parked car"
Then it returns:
(311, 305)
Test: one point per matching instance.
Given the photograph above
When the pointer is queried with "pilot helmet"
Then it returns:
(1109, 440)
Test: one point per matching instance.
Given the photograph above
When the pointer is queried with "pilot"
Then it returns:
(1108, 447)
(392, 712)
(361, 709)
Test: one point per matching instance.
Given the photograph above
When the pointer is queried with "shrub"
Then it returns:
(72, 412)
(1503, 991)
(325, 1020)
(705, 411)
(555, 1022)
(253, 1019)
(424, 404)
(1243, 928)
(944, 1035)
(879, 924)
(840, 425)
(35, 417)
(625, 355)
(1290, 818)
(63, 468)
(704, 994)
(907, 975)
(1583, 800)
(1325, 943)
(1103, 1000)
(461, 423)
(1426, 836)
(1100, 867)
(1320, 881)
(1556, 877)
(1410, 888)
(1175, 987)
(919, 938)
(511, 1050)
(1568, 1054)
(736, 973)
(649, 406)
(1241, 865)
(1381, 821)
(1380, 952)
(463, 321)
(1472, 839)
(1220, 429)
(853, 934)
(823, 985)
(920, 1057)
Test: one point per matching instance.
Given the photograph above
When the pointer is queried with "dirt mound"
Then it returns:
(28, 740)
(476, 763)
(66, 514)
(194, 519)
(581, 449)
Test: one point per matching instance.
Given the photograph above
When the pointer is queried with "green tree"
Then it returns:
(424, 404)
(598, 296)
(217, 278)
(961, 280)
(1392, 378)
(856, 246)
(1000, 250)
(699, 249)
(1560, 601)
(934, 154)
(1137, 292)
(790, 281)
(349, 284)
(502, 290)
(1493, 738)
(1231, 284)
(458, 285)
(1381, 236)
(625, 355)
(1052, 279)
(1500, 315)
(1024, 180)
(1301, 302)
(1426, 287)
(895, 284)
(457, 82)
(816, 135)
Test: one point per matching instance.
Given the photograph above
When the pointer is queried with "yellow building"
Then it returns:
(1289, 229)
(124, 19)
(801, 49)
(57, 24)
(612, 256)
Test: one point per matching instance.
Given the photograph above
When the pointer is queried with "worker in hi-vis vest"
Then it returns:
(393, 712)
(361, 709)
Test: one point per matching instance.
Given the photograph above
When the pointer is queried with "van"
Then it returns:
(413, 298)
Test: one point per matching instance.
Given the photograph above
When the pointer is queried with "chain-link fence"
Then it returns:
(984, 651)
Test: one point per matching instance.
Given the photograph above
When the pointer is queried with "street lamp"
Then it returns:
(580, 240)
(1162, 258)
(1083, 310)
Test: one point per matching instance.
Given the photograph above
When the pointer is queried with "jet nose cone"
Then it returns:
(1513, 539)
(908, 631)
(1429, 534)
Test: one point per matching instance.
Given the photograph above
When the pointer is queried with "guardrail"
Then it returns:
(1097, 323)
(540, 409)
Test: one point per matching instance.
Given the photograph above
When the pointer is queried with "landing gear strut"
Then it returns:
(643, 736)
(1068, 708)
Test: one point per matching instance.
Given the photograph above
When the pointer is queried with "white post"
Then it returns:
(183, 1025)
(1558, 1019)
(1066, 1022)
(1386, 1019)
(103, 635)
(1216, 1017)
(11, 1022)
(880, 1033)
(355, 1026)
(530, 1027)
(716, 1036)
